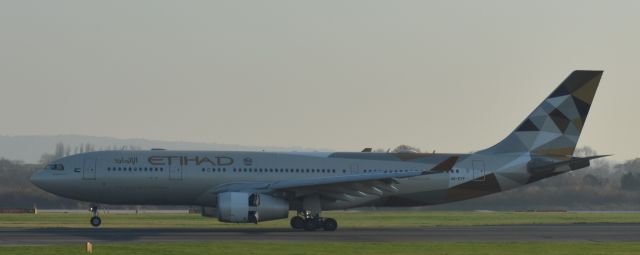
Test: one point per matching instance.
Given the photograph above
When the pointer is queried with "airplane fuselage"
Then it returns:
(160, 177)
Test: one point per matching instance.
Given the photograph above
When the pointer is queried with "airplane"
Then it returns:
(251, 187)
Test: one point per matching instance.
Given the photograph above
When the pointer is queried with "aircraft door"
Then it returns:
(89, 169)
(175, 172)
(354, 168)
(479, 170)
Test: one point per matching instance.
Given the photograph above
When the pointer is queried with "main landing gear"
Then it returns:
(95, 220)
(305, 220)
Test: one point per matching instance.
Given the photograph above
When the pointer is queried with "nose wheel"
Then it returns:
(95, 220)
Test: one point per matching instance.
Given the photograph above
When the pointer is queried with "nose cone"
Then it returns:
(55, 182)
(40, 179)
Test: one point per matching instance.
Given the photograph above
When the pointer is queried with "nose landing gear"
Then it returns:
(95, 220)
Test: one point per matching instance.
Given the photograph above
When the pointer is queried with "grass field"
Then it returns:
(348, 219)
(247, 248)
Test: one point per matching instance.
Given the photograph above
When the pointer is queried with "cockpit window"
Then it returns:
(58, 167)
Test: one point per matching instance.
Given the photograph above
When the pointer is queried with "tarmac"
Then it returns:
(509, 233)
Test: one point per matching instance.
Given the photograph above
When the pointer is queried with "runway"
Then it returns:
(573, 232)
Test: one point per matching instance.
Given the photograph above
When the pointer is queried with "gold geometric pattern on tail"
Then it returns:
(554, 127)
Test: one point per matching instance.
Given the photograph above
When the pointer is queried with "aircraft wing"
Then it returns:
(344, 187)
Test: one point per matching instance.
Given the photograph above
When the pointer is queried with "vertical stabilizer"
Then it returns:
(554, 127)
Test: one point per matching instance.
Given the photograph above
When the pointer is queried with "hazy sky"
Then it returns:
(454, 76)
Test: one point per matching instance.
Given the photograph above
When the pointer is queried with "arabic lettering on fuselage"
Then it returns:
(126, 161)
(186, 160)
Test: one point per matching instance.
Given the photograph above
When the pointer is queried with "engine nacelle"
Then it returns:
(243, 207)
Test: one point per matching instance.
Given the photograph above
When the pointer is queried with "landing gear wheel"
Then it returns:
(330, 224)
(96, 221)
(297, 222)
(310, 224)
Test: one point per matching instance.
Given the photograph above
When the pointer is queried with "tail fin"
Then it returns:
(554, 127)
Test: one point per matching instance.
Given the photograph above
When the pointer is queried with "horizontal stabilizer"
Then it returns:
(545, 167)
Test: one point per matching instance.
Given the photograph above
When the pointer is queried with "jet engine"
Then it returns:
(243, 207)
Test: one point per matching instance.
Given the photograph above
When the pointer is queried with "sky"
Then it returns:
(450, 76)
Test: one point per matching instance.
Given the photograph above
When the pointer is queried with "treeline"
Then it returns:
(605, 185)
